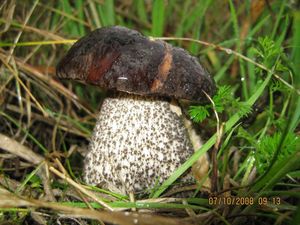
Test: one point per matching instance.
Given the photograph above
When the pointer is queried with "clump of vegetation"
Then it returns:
(250, 127)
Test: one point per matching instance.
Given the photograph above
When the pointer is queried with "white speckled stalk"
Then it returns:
(137, 142)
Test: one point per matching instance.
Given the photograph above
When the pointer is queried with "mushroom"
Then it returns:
(140, 138)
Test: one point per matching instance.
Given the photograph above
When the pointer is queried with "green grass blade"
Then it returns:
(197, 17)
(70, 26)
(57, 13)
(278, 18)
(79, 9)
(106, 12)
(234, 19)
(170, 9)
(28, 178)
(141, 10)
(158, 18)
(138, 205)
(296, 217)
(296, 67)
(180, 27)
(251, 72)
(196, 14)
(296, 47)
(94, 14)
(282, 35)
(258, 26)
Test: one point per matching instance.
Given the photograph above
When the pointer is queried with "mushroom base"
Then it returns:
(138, 142)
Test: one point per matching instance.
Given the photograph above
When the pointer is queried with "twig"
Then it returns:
(214, 179)
(20, 150)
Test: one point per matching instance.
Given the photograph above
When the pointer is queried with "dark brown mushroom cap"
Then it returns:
(117, 58)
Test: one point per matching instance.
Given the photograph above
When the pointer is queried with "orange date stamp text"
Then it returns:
(232, 200)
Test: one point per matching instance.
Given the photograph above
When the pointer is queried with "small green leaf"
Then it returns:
(224, 95)
(198, 113)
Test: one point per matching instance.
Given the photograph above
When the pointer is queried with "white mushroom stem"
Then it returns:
(138, 142)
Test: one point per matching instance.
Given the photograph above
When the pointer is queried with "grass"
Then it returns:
(251, 48)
